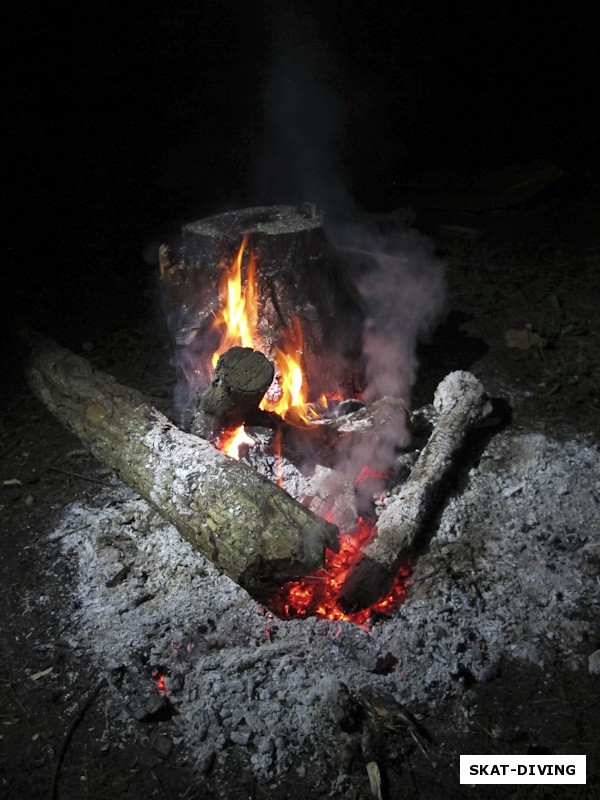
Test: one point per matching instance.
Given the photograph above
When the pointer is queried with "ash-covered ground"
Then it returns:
(494, 649)
(511, 577)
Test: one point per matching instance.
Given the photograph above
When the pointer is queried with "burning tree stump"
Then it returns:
(296, 278)
(462, 403)
(249, 528)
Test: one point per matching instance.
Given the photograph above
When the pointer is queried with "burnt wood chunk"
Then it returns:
(240, 380)
(461, 402)
(247, 526)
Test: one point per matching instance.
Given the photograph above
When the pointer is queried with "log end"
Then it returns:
(262, 577)
(367, 583)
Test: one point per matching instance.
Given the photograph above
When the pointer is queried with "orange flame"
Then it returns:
(238, 319)
(239, 313)
(231, 441)
(292, 403)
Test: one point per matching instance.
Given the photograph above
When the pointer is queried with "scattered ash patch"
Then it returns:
(511, 576)
(511, 573)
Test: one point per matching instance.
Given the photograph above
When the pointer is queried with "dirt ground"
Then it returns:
(523, 316)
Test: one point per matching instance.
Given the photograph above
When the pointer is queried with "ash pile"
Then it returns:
(510, 578)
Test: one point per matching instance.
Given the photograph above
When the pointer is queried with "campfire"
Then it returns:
(286, 397)
(234, 621)
(294, 468)
(274, 391)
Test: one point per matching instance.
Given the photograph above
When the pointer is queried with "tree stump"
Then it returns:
(297, 277)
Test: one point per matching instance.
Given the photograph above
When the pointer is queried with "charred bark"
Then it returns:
(249, 528)
(402, 527)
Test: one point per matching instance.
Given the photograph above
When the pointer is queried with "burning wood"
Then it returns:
(401, 529)
(241, 378)
(248, 527)
(213, 293)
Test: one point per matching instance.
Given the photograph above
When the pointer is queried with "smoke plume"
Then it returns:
(393, 269)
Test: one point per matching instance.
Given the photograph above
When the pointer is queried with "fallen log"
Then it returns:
(248, 527)
(401, 529)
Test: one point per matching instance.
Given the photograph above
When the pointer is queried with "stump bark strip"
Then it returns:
(248, 527)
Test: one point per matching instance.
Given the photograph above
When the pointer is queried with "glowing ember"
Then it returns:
(231, 441)
(316, 594)
(367, 473)
(159, 679)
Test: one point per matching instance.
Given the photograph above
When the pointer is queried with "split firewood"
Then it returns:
(248, 527)
(402, 527)
(240, 380)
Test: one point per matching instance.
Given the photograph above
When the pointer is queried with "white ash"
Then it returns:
(511, 575)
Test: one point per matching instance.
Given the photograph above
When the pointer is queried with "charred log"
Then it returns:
(240, 380)
(249, 528)
(366, 433)
(402, 527)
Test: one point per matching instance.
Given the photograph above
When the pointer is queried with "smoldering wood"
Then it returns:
(382, 425)
(462, 403)
(298, 276)
(248, 527)
(331, 495)
(240, 380)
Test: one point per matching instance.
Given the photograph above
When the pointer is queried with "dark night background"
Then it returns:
(125, 120)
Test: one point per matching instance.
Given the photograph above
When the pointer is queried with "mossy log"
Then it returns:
(247, 526)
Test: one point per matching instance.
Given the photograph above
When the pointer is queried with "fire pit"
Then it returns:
(278, 548)
(292, 684)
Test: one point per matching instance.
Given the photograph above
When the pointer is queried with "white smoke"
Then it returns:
(393, 269)
(401, 283)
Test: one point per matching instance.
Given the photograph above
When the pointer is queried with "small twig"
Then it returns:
(79, 714)
(417, 740)
(79, 475)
